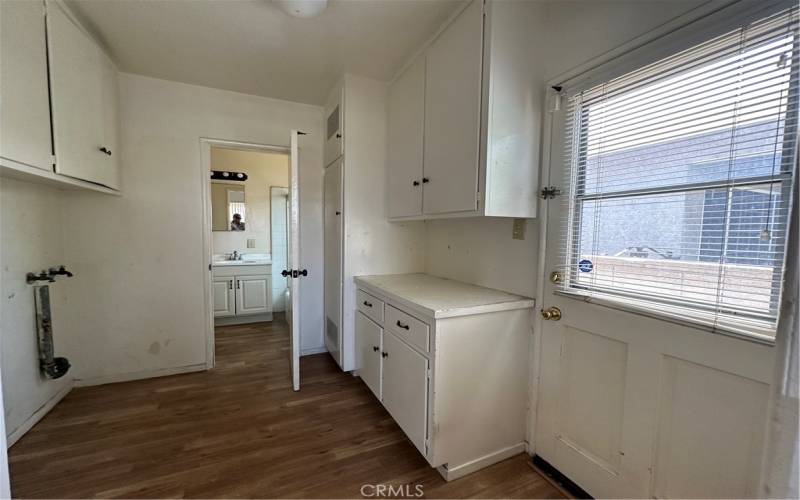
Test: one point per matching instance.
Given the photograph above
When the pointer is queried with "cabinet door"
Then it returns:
(223, 297)
(24, 102)
(369, 338)
(253, 294)
(334, 113)
(406, 117)
(452, 115)
(110, 172)
(405, 388)
(333, 257)
(76, 85)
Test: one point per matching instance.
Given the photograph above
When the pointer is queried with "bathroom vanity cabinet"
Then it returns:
(242, 293)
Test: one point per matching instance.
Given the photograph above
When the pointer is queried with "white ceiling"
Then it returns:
(252, 46)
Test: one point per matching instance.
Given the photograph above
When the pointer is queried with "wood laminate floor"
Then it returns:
(239, 431)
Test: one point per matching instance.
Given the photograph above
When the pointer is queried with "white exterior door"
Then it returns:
(224, 297)
(634, 406)
(405, 388)
(369, 338)
(406, 120)
(452, 115)
(253, 294)
(333, 258)
(24, 101)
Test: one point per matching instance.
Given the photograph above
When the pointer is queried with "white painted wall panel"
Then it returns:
(30, 241)
(125, 247)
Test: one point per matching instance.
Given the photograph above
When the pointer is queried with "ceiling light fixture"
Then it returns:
(303, 8)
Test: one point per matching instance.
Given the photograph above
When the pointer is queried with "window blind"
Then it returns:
(679, 179)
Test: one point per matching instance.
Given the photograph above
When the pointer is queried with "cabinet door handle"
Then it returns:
(238, 284)
(230, 284)
(415, 183)
(384, 354)
(401, 325)
(105, 150)
(376, 348)
(368, 304)
(425, 180)
(338, 136)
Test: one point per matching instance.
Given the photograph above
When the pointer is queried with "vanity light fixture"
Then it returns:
(224, 175)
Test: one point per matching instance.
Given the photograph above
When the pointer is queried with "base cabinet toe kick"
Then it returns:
(455, 379)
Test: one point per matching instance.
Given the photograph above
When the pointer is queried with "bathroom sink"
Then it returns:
(244, 262)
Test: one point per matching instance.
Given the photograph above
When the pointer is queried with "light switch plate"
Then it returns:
(518, 232)
(251, 242)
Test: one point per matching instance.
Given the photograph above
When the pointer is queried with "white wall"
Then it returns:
(31, 240)
(279, 245)
(140, 308)
(573, 32)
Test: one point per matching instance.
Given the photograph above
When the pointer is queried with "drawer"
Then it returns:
(371, 306)
(407, 327)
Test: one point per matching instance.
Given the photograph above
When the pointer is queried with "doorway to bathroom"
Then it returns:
(251, 239)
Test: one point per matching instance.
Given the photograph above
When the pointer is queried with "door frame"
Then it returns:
(206, 144)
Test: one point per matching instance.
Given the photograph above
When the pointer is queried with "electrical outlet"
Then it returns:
(251, 242)
(518, 232)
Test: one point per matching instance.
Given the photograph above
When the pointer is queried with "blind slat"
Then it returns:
(679, 177)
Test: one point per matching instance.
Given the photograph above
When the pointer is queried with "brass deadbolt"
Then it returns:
(551, 314)
(555, 277)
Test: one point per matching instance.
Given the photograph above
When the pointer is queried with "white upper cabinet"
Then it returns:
(481, 102)
(406, 119)
(83, 84)
(24, 102)
(452, 115)
(334, 128)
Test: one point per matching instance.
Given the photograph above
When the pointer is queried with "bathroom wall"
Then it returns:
(263, 170)
(573, 32)
(279, 245)
(140, 310)
(31, 240)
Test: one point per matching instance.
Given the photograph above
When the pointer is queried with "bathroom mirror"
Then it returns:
(228, 208)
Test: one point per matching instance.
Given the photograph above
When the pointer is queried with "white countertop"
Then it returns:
(244, 262)
(440, 297)
(251, 259)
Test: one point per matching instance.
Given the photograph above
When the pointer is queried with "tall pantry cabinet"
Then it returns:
(464, 118)
(358, 238)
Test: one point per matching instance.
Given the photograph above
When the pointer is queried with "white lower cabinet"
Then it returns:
(253, 294)
(449, 362)
(224, 297)
(242, 292)
(370, 343)
(405, 388)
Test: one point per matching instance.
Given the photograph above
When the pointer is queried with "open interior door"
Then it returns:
(294, 271)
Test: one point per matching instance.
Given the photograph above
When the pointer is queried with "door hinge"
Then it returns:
(549, 192)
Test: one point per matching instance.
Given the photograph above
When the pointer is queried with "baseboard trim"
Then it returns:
(243, 320)
(127, 377)
(43, 410)
(313, 350)
(450, 473)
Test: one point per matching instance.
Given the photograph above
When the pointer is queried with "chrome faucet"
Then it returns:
(236, 255)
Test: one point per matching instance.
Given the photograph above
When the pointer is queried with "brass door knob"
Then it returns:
(551, 314)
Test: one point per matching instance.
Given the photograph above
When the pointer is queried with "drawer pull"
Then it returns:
(376, 348)
(385, 354)
(368, 304)
(401, 325)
